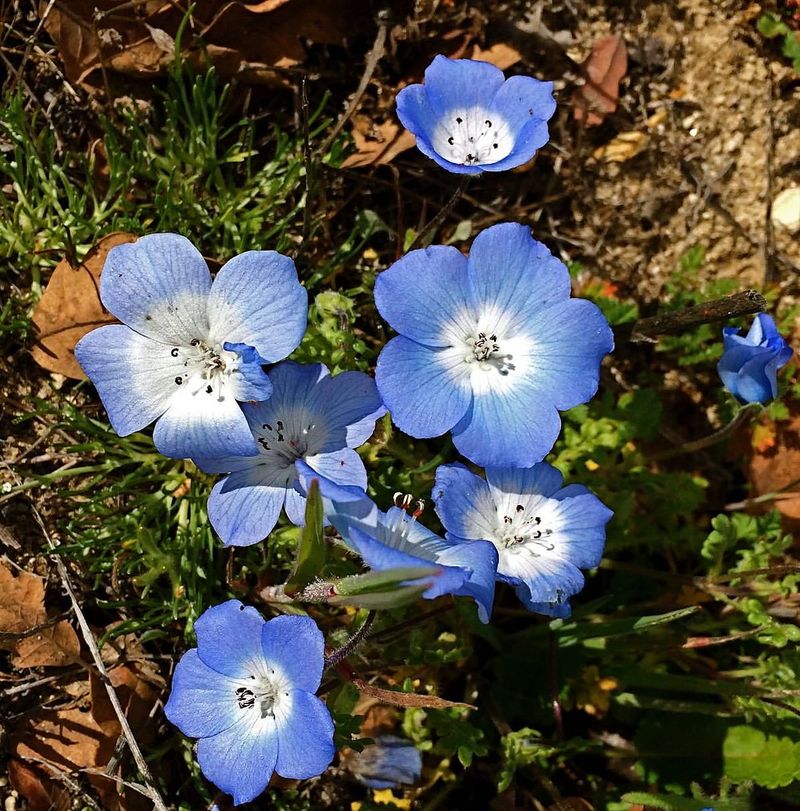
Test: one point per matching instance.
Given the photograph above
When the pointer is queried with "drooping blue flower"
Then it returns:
(311, 422)
(392, 539)
(390, 762)
(470, 119)
(544, 533)
(749, 364)
(247, 692)
(490, 346)
(188, 348)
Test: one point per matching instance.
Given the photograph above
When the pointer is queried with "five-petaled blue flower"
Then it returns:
(544, 532)
(311, 423)
(490, 346)
(189, 348)
(392, 539)
(749, 364)
(470, 119)
(247, 692)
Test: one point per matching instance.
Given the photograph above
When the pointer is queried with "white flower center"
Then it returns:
(207, 367)
(472, 136)
(262, 693)
(284, 445)
(484, 352)
(524, 528)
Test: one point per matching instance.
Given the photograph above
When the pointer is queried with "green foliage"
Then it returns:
(750, 754)
(449, 733)
(771, 26)
(311, 549)
(522, 748)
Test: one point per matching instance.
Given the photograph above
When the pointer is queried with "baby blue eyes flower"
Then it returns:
(391, 761)
(470, 119)
(188, 348)
(392, 539)
(544, 533)
(247, 692)
(311, 423)
(749, 364)
(490, 346)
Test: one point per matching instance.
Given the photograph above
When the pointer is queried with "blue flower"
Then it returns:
(311, 423)
(749, 365)
(490, 346)
(247, 692)
(389, 762)
(391, 539)
(469, 118)
(188, 349)
(545, 533)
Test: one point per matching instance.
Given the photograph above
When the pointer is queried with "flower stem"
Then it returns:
(441, 214)
(711, 439)
(355, 640)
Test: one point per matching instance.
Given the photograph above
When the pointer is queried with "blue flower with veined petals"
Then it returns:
(470, 119)
(247, 692)
(491, 346)
(311, 423)
(544, 533)
(392, 539)
(749, 364)
(389, 762)
(189, 349)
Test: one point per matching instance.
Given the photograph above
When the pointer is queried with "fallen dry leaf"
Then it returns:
(625, 146)
(70, 307)
(39, 790)
(605, 67)
(22, 610)
(397, 698)
(776, 468)
(387, 142)
(500, 55)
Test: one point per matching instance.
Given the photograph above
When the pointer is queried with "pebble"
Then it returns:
(786, 209)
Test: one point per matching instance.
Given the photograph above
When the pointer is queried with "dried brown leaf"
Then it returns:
(625, 146)
(40, 791)
(605, 68)
(21, 602)
(397, 699)
(776, 467)
(54, 646)
(71, 307)
(383, 145)
(500, 55)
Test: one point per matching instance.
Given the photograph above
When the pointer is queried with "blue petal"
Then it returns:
(420, 387)
(158, 286)
(515, 428)
(555, 610)
(134, 375)
(305, 740)
(425, 296)
(581, 533)
(343, 467)
(480, 559)
(570, 340)
(464, 504)
(757, 381)
(296, 646)
(249, 381)
(390, 761)
(350, 404)
(762, 329)
(543, 579)
(379, 556)
(295, 507)
(203, 425)
(257, 299)
(241, 759)
(229, 639)
(513, 277)
(224, 464)
(202, 702)
(523, 483)
(456, 83)
(244, 507)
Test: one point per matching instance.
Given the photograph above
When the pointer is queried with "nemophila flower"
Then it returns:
(247, 692)
(188, 348)
(749, 364)
(392, 539)
(311, 423)
(544, 533)
(470, 119)
(490, 346)
(389, 762)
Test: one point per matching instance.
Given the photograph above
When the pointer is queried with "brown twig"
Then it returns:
(441, 214)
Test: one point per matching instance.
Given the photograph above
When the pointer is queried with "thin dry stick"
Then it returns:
(373, 57)
(442, 213)
(151, 790)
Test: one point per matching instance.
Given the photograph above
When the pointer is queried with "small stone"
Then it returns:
(786, 209)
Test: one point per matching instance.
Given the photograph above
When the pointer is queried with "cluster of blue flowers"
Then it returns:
(490, 347)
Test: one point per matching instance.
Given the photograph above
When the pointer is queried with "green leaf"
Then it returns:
(571, 633)
(768, 760)
(770, 25)
(378, 600)
(311, 546)
(379, 581)
(671, 802)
